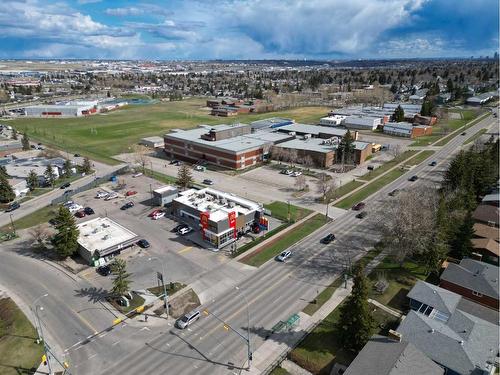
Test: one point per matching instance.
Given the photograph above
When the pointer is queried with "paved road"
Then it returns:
(275, 291)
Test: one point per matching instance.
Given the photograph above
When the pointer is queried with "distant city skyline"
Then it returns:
(242, 29)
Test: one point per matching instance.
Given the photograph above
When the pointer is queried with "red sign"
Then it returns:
(204, 216)
(231, 216)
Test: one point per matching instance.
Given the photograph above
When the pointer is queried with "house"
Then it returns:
(492, 199)
(19, 186)
(455, 333)
(475, 280)
(486, 250)
(419, 96)
(486, 231)
(386, 356)
(487, 214)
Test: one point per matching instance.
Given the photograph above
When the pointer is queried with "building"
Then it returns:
(407, 130)
(486, 231)
(19, 186)
(10, 147)
(419, 96)
(218, 216)
(270, 123)
(101, 239)
(481, 98)
(407, 107)
(315, 131)
(362, 122)
(424, 120)
(67, 109)
(455, 333)
(21, 168)
(152, 142)
(334, 120)
(392, 356)
(486, 250)
(224, 111)
(492, 199)
(487, 214)
(475, 280)
(165, 195)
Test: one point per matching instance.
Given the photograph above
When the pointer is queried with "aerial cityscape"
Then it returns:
(272, 187)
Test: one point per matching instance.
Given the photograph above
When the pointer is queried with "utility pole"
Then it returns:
(288, 201)
(40, 330)
(12, 224)
(165, 296)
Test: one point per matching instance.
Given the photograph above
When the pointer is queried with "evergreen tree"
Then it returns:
(121, 282)
(14, 134)
(25, 142)
(67, 168)
(346, 148)
(6, 192)
(356, 323)
(65, 240)
(184, 177)
(50, 176)
(461, 245)
(86, 166)
(399, 114)
(427, 108)
(436, 252)
(3, 171)
(32, 180)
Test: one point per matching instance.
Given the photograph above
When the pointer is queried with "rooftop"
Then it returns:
(165, 189)
(313, 129)
(272, 122)
(399, 125)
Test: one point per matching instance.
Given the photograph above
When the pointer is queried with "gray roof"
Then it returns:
(434, 296)
(271, 122)
(398, 126)
(382, 356)
(464, 344)
(473, 275)
(494, 197)
(405, 106)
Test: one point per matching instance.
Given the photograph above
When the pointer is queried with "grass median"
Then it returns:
(419, 158)
(369, 189)
(475, 136)
(391, 163)
(279, 210)
(276, 247)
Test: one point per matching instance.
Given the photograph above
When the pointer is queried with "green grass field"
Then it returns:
(102, 136)
(19, 353)
(388, 165)
(416, 160)
(279, 210)
(40, 216)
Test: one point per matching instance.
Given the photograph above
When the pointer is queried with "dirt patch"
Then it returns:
(184, 303)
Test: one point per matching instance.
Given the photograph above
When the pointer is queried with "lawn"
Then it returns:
(344, 189)
(19, 352)
(475, 136)
(386, 166)
(258, 240)
(40, 216)
(419, 158)
(102, 136)
(369, 189)
(279, 210)
(171, 288)
(279, 371)
(274, 248)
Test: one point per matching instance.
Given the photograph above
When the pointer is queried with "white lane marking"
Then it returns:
(103, 334)
(93, 355)
(145, 329)
(113, 344)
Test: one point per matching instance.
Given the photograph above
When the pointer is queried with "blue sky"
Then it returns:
(244, 29)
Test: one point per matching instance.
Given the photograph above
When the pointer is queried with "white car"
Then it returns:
(296, 174)
(184, 231)
(158, 215)
(288, 172)
(68, 203)
(198, 168)
(101, 194)
(75, 208)
(137, 175)
(284, 256)
(111, 196)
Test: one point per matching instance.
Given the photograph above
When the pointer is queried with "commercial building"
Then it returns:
(152, 142)
(270, 123)
(407, 130)
(362, 122)
(67, 109)
(334, 120)
(481, 98)
(217, 215)
(315, 131)
(101, 239)
(165, 195)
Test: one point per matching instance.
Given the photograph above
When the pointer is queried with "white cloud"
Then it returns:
(122, 12)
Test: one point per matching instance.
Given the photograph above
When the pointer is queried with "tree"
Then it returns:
(346, 148)
(32, 180)
(399, 114)
(50, 175)
(67, 168)
(356, 323)
(86, 166)
(141, 156)
(121, 282)
(6, 193)
(184, 177)
(25, 141)
(65, 240)
(39, 235)
(300, 182)
(14, 134)
(396, 151)
(324, 184)
(3, 171)
(427, 108)
(461, 245)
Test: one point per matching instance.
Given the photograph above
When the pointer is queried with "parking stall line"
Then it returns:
(186, 249)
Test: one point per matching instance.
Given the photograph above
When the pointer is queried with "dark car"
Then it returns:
(127, 205)
(179, 227)
(433, 163)
(413, 178)
(76, 155)
(88, 211)
(143, 243)
(361, 215)
(328, 238)
(13, 206)
(65, 185)
(80, 213)
(68, 191)
(174, 161)
(394, 193)
(208, 182)
(464, 133)
(359, 206)
(104, 270)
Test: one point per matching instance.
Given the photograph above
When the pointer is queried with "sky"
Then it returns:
(247, 29)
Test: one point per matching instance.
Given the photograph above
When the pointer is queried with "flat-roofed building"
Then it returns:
(407, 130)
(165, 195)
(270, 123)
(152, 142)
(362, 122)
(67, 109)
(334, 120)
(316, 131)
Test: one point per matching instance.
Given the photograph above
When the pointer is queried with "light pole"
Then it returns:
(165, 302)
(40, 332)
(36, 314)
(249, 348)
(12, 224)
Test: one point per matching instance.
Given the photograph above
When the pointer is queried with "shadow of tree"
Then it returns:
(94, 294)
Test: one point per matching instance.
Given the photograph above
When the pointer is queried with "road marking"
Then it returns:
(87, 323)
(145, 329)
(186, 249)
(103, 334)
(113, 344)
(92, 356)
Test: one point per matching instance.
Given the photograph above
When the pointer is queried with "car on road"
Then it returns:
(65, 185)
(198, 168)
(179, 227)
(88, 211)
(362, 215)
(296, 174)
(101, 194)
(80, 213)
(143, 243)
(187, 319)
(13, 206)
(359, 206)
(137, 175)
(284, 256)
(464, 133)
(185, 230)
(206, 181)
(433, 163)
(413, 178)
(127, 205)
(394, 192)
(104, 270)
(130, 192)
(111, 196)
(68, 191)
(158, 215)
(328, 238)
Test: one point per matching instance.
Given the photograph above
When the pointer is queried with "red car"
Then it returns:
(358, 206)
(131, 192)
(80, 213)
(154, 213)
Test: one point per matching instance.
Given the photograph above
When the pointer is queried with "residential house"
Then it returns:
(486, 250)
(487, 214)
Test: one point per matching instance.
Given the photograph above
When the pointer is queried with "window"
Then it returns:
(477, 294)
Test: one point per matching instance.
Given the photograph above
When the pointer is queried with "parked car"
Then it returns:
(288, 172)
(361, 215)
(296, 174)
(88, 211)
(74, 208)
(464, 133)
(126, 206)
(104, 270)
(80, 213)
(65, 185)
(68, 203)
(130, 192)
(433, 163)
(328, 238)
(158, 215)
(173, 162)
(76, 155)
(198, 168)
(153, 213)
(101, 194)
(188, 319)
(137, 175)
(179, 227)
(394, 192)
(13, 206)
(184, 231)
(284, 256)
(143, 243)
(208, 182)
(111, 196)
(413, 178)
(359, 206)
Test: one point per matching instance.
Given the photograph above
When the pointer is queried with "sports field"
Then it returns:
(105, 135)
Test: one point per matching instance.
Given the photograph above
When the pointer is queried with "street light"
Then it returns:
(40, 329)
(165, 303)
(36, 314)
(249, 348)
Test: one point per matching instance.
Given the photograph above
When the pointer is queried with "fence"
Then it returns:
(90, 185)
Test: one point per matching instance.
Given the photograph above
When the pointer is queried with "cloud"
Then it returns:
(88, 1)
(123, 12)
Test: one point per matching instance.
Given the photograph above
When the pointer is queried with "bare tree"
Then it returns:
(293, 156)
(141, 156)
(395, 151)
(308, 161)
(300, 182)
(324, 184)
(39, 235)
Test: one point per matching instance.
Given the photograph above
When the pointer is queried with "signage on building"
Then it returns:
(231, 216)
(204, 216)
